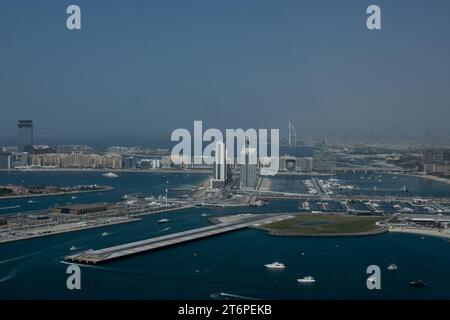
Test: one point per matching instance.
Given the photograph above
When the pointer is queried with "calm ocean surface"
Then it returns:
(230, 263)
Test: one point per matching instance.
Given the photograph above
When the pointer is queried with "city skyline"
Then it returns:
(225, 155)
(263, 61)
(392, 136)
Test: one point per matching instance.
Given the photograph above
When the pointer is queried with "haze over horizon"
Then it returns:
(149, 68)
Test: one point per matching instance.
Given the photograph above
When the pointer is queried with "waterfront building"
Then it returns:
(288, 164)
(305, 164)
(20, 159)
(248, 168)
(81, 160)
(439, 168)
(113, 161)
(47, 160)
(166, 162)
(436, 161)
(220, 161)
(5, 160)
(25, 135)
(323, 161)
(220, 166)
(149, 163)
(428, 156)
(129, 163)
(447, 156)
(76, 160)
(294, 164)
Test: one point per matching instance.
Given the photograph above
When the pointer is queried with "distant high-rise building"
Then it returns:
(248, 168)
(5, 160)
(447, 156)
(220, 162)
(220, 166)
(25, 135)
(436, 161)
(292, 135)
(428, 156)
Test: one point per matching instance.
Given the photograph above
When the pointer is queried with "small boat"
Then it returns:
(110, 175)
(258, 203)
(303, 253)
(275, 265)
(307, 279)
(163, 220)
(204, 214)
(392, 267)
(73, 197)
(417, 283)
(31, 201)
(72, 248)
(104, 234)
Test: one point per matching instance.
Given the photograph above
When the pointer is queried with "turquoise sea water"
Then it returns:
(231, 263)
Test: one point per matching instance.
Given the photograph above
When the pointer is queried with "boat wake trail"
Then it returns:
(18, 258)
(13, 207)
(226, 296)
(95, 267)
(162, 230)
(11, 274)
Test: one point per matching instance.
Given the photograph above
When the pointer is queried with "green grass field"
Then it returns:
(325, 224)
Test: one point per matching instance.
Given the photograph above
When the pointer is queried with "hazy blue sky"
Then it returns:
(152, 66)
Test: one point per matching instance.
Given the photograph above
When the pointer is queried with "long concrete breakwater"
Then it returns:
(128, 249)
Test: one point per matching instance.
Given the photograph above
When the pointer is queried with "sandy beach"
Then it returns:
(422, 232)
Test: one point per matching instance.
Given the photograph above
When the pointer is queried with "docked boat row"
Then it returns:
(371, 207)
